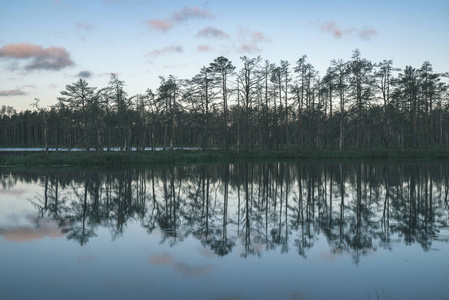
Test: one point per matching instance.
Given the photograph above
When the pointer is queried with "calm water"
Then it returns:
(285, 230)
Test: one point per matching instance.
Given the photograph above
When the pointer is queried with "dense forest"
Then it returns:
(357, 104)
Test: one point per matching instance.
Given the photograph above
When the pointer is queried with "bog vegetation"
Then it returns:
(357, 104)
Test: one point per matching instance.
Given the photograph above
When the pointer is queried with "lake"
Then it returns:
(279, 230)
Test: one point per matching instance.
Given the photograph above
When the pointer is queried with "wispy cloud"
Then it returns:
(189, 13)
(168, 49)
(248, 48)
(249, 41)
(18, 91)
(367, 34)
(180, 267)
(51, 58)
(159, 25)
(338, 32)
(258, 36)
(85, 26)
(244, 41)
(9, 93)
(192, 271)
(84, 74)
(32, 86)
(335, 30)
(47, 228)
(212, 32)
(161, 259)
(204, 48)
(182, 15)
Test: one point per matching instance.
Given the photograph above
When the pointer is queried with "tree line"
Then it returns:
(357, 104)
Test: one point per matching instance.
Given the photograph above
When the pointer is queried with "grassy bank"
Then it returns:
(117, 159)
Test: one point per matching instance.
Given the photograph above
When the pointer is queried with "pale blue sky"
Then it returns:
(143, 39)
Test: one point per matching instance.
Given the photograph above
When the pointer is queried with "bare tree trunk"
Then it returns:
(45, 134)
(238, 116)
(341, 130)
(172, 126)
(98, 137)
(128, 138)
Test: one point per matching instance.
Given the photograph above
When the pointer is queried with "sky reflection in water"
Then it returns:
(285, 230)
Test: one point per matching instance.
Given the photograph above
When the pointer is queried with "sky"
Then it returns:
(48, 44)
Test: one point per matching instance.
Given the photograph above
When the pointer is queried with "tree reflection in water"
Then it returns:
(358, 207)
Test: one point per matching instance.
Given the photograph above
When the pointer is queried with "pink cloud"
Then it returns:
(161, 259)
(32, 86)
(204, 48)
(338, 32)
(51, 58)
(212, 32)
(335, 30)
(20, 50)
(189, 13)
(47, 228)
(9, 93)
(248, 48)
(366, 34)
(258, 36)
(168, 49)
(179, 267)
(179, 16)
(249, 41)
(160, 25)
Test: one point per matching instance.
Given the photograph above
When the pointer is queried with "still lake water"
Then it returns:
(284, 230)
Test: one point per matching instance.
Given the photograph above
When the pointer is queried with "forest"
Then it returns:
(357, 104)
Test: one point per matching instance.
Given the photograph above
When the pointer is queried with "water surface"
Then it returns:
(285, 230)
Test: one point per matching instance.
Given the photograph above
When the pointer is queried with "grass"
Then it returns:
(119, 159)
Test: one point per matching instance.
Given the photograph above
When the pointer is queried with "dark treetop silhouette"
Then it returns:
(356, 104)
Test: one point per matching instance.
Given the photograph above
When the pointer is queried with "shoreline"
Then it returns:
(156, 158)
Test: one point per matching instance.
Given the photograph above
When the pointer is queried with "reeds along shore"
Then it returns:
(140, 158)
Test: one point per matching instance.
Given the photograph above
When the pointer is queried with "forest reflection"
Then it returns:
(252, 207)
